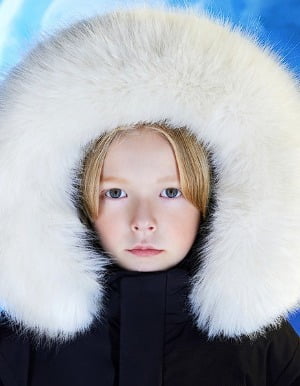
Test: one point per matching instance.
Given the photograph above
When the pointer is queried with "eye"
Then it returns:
(115, 193)
(173, 192)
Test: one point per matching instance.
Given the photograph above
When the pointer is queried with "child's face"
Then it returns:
(142, 210)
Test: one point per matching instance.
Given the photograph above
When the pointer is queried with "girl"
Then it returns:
(150, 207)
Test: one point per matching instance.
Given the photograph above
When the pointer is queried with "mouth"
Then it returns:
(145, 252)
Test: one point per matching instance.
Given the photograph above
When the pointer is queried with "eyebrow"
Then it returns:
(124, 181)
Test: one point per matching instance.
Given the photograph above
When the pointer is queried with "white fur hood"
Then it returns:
(150, 64)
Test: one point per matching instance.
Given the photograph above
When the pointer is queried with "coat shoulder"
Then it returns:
(283, 356)
(14, 355)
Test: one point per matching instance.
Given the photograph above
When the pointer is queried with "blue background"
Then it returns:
(275, 22)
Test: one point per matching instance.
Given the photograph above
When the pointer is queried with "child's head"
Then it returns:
(146, 184)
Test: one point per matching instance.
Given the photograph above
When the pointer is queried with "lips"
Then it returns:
(145, 252)
(147, 246)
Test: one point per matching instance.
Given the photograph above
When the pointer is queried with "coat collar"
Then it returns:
(150, 65)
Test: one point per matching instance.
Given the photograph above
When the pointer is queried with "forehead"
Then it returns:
(145, 147)
(146, 154)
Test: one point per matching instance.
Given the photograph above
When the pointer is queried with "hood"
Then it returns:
(150, 64)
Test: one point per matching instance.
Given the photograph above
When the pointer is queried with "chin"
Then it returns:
(153, 268)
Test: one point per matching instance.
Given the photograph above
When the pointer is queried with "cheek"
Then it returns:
(107, 229)
(187, 225)
(185, 217)
(109, 217)
(185, 230)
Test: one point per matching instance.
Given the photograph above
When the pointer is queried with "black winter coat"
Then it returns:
(148, 339)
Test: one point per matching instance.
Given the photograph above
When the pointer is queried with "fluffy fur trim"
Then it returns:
(149, 64)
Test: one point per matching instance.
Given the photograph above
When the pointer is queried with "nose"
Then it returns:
(138, 226)
(143, 219)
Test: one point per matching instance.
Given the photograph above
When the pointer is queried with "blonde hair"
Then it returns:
(190, 155)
